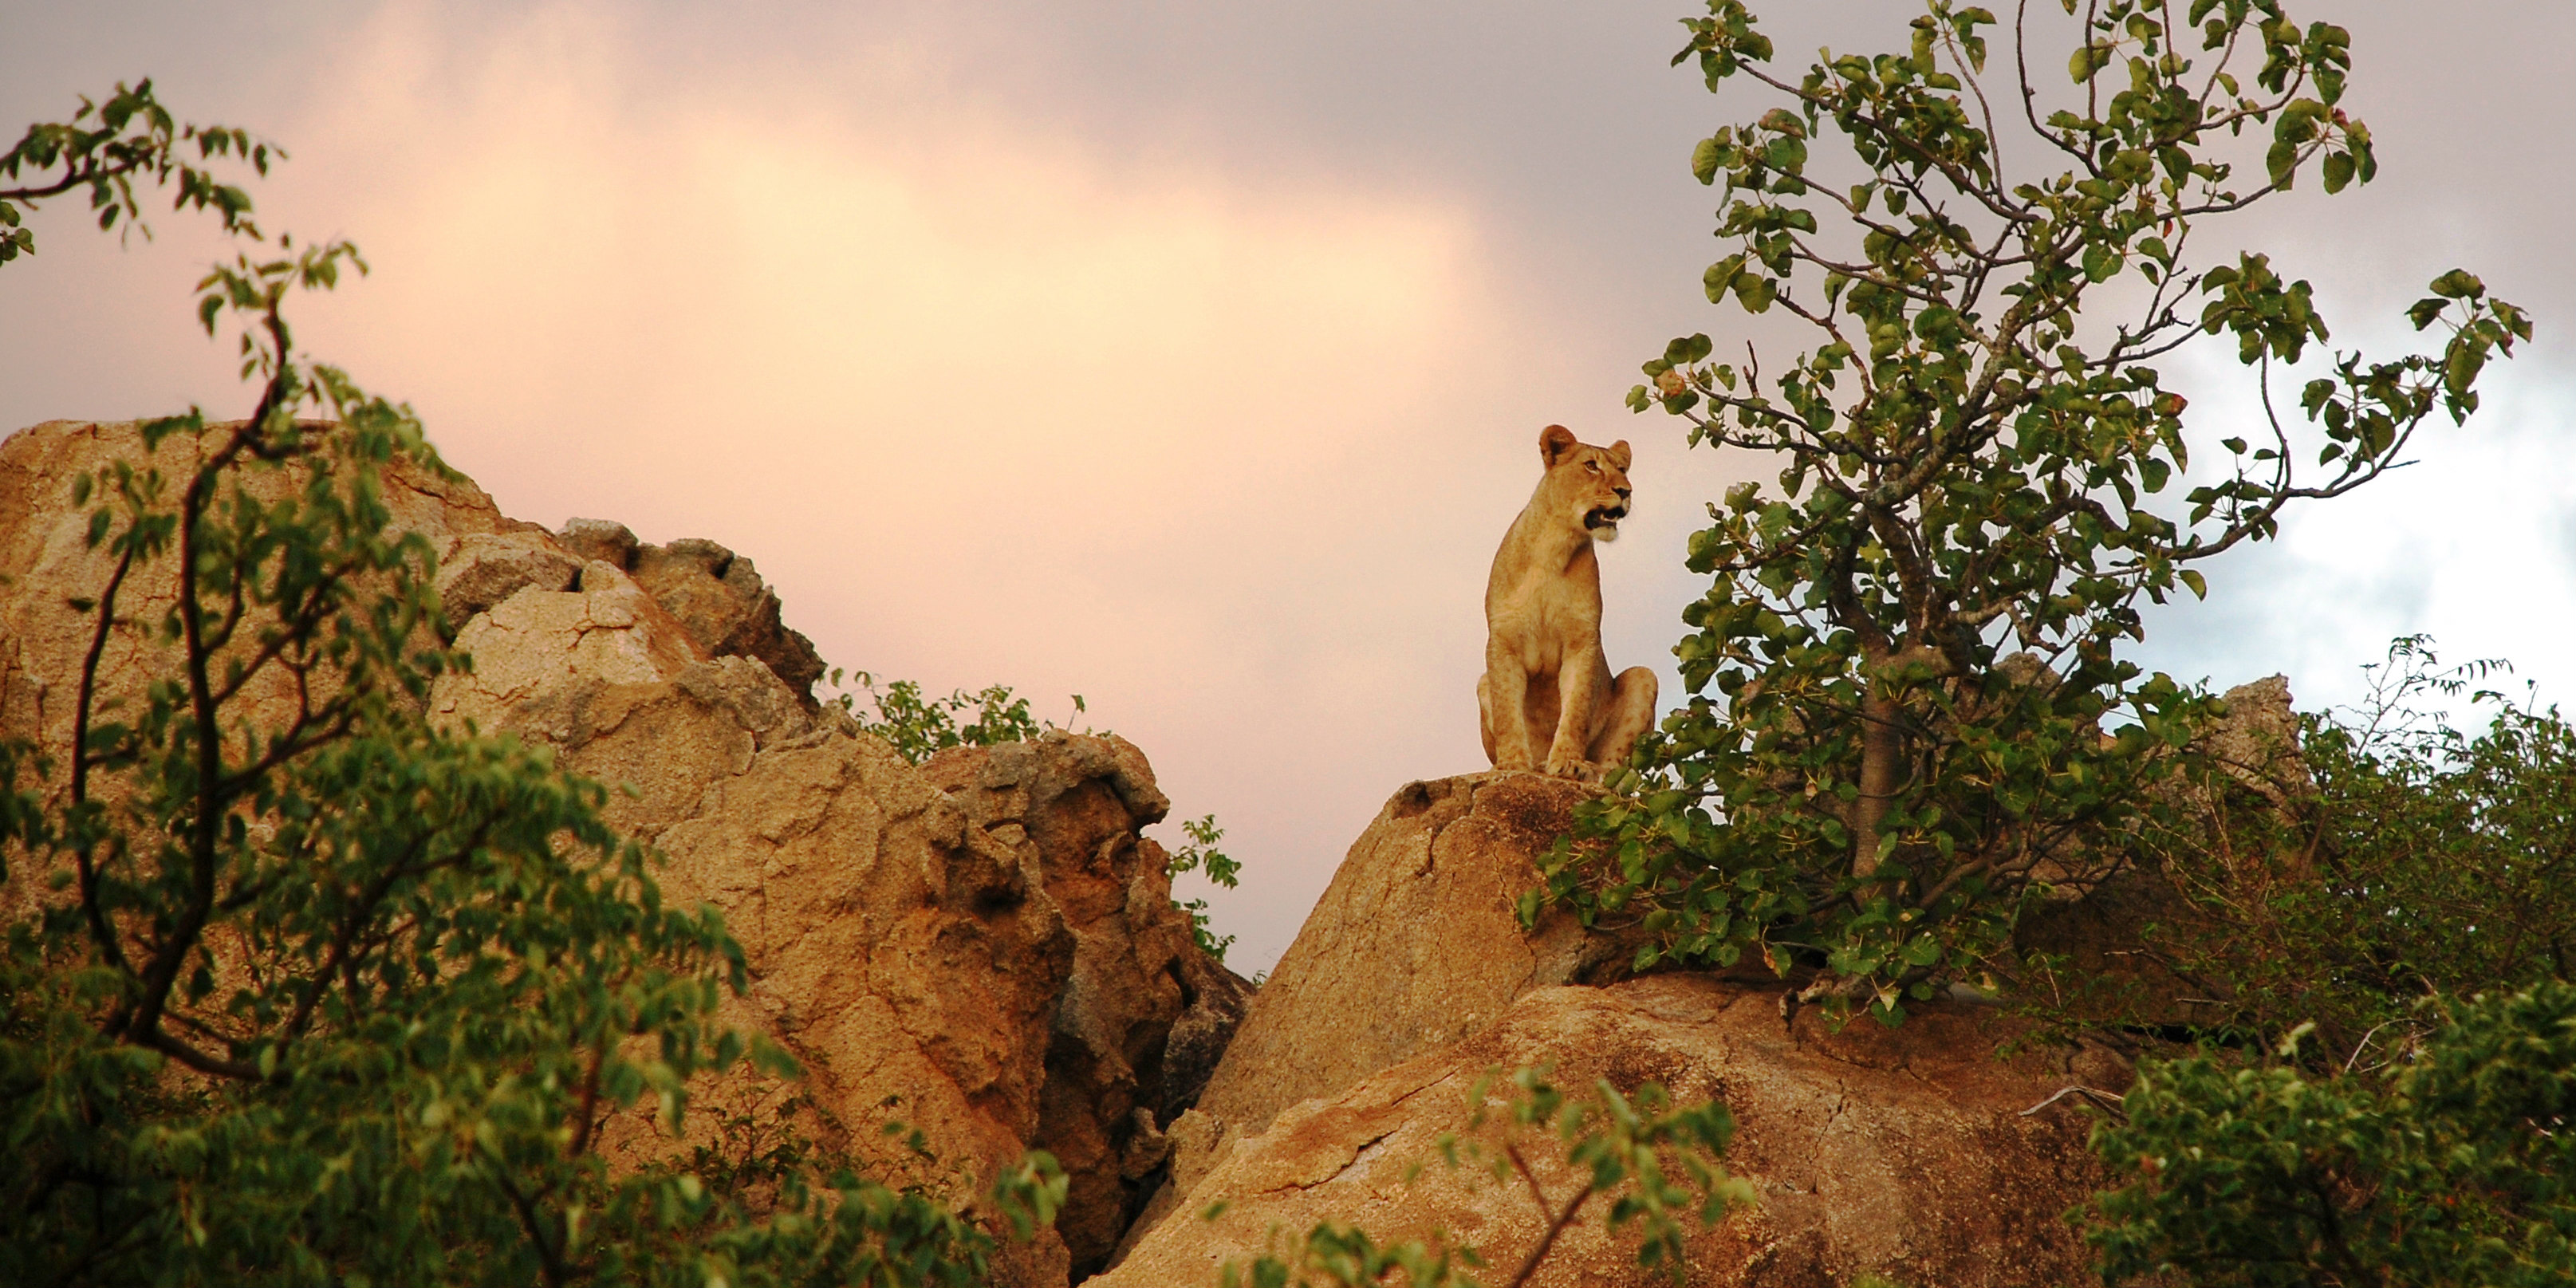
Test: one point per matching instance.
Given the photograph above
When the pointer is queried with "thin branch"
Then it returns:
(1556, 1224)
(215, 1066)
(100, 931)
(586, 1119)
(205, 830)
(549, 1261)
(2109, 1100)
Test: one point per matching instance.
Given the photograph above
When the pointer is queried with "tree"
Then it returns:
(105, 148)
(1919, 712)
(316, 989)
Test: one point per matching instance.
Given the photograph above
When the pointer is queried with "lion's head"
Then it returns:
(1585, 485)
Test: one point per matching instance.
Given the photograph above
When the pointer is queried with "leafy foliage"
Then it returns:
(2457, 1168)
(921, 727)
(1919, 715)
(1201, 855)
(2420, 860)
(1656, 1164)
(316, 990)
(105, 148)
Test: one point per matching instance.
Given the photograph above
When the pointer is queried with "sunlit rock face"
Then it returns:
(983, 948)
(1905, 1152)
(1415, 944)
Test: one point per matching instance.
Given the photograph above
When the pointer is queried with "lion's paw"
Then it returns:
(1581, 771)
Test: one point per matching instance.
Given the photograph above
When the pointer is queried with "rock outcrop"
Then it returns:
(1907, 1152)
(715, 595)
(1070, 808)
(1416, 944)
(46, 559)
(984, 948)
(1904, 1152)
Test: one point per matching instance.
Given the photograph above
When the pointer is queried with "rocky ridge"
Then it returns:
(984, 947)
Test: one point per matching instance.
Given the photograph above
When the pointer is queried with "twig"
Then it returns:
(1555, 1226)
(2365, 1044)
(2101, 1099)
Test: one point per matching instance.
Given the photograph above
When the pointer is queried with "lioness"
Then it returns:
(1547, 699)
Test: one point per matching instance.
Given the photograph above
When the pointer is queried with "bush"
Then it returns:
(920, 727)
(2409, 859)
(2458, 1167)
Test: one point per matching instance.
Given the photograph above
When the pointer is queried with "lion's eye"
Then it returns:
(1594, 466)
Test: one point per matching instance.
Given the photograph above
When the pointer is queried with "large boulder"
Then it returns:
(910, 962)
(1415, 944)
(983, 948)
(1915, 1153)
(1911, 1152)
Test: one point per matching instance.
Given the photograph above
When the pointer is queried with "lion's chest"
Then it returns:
(1546, 618)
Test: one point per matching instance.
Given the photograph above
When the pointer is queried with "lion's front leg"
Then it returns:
(1485, 715)
(1502, 700)
(1579, 691)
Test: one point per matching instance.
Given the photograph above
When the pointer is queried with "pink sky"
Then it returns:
(1190, 361)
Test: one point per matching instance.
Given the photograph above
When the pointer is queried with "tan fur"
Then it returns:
(1547, 699)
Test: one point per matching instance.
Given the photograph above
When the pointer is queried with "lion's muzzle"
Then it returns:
(1602, 521)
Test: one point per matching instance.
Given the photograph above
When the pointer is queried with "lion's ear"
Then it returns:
(1619, 455)
(1555, 441)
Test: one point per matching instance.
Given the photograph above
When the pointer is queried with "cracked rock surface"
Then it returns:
(1414, 945)
(1069, 808)
(715, 595)
(1904, 1152)
(46, 559)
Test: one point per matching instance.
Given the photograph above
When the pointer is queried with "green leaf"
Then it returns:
(2281, 161)
(2458, 285)
(2101, 262)
(2338, 171)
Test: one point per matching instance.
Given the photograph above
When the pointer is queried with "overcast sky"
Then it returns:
(1191, 357)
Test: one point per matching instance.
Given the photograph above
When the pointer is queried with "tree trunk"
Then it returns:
(1881, 754)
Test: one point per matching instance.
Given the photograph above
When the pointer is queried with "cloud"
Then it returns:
(986, 400)
(1189, 360)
